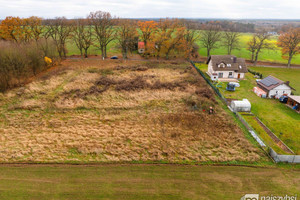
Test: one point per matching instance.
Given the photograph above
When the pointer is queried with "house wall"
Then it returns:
(210, 69)
(225, 73)
(242, 75)
(279, 91)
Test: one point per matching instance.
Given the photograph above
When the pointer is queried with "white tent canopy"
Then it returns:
(241, 106)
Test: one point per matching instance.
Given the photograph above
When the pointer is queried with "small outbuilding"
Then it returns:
(274, 87)
(259, 92)
(294, 102)
(141, 47)
(241, 106)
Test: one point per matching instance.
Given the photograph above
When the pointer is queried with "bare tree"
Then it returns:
(82, 36)
(59, 30)
(191, 36)
(231, 40)
(210, 37)
(103, 26)
(126, 35)
(259, 42)
(252, 46)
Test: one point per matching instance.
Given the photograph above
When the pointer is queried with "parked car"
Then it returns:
(114, 57)
(283, 99)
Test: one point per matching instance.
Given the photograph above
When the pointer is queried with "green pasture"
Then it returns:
(265, 55)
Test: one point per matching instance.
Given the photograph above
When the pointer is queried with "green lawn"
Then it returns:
(144, 182)
(282, 120)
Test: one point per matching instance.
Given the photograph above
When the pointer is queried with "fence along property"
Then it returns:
(276, 157)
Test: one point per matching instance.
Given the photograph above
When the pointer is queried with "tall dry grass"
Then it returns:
(63, 117)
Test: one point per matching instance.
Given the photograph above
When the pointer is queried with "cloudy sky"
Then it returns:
(239, 9)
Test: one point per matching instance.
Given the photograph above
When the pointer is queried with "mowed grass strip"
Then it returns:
(144, 182)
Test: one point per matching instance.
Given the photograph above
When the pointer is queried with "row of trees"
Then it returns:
(163, 38)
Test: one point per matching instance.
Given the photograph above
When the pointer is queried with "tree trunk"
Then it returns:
(102, 52)
(85, 53)
(208, 52)
(256, 57)
(252, 57)
(289, 61)
(81, 53)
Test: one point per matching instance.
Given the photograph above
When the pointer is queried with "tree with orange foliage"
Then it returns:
(34, 27)
(148, 28)
(289, 42)
(21, 29)
(11, 29)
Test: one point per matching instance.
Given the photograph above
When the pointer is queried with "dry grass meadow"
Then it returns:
(115, 111)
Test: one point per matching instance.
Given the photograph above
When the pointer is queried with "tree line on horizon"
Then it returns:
(34, 38)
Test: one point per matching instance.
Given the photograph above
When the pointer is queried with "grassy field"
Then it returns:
(144, 182)
(265, 55)
(282, 120)
(119, 111)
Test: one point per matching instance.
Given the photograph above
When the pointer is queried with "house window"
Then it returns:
(221, 65)
(220, 75)
(230, 75)
(228, 65)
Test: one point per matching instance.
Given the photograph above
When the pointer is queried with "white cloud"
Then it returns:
(288, 9)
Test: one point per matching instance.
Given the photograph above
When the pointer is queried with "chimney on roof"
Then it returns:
(287, 83)
(234, 59)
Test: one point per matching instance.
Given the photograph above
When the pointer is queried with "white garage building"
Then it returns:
(275, 87)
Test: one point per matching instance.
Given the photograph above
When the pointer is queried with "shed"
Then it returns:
(294, 102)
(241, 106)
(141, 47)
(259, 92)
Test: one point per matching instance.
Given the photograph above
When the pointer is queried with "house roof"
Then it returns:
(295, 98)
(271, 82)
(141, 45)
(235, 64)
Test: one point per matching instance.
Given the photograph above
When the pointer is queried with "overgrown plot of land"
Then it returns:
(92, 110)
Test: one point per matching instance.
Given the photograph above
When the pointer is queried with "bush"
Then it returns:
(19, 61)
